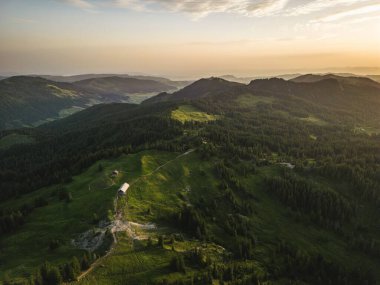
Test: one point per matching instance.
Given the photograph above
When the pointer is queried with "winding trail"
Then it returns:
(119, 219)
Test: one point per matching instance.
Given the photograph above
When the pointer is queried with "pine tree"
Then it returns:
(54, 276)
(69, 274)
(44, 271)
(160, 241)
(85, 264)
(75, 265)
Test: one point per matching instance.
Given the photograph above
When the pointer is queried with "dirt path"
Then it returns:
(119, 225)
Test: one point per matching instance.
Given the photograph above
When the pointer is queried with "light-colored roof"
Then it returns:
(124, 187)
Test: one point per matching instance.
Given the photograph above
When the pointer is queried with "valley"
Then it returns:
(29, 101)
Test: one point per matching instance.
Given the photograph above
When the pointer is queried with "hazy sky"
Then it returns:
(189, 38)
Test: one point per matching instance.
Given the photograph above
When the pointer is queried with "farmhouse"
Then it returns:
(123, 189)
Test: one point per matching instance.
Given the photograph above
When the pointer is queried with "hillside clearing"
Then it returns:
(186, 113)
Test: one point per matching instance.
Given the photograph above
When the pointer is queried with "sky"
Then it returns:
(189, 38)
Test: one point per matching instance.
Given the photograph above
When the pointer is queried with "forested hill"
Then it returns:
(27, 101)
(119, 85)
(80, 77)
(354, 96)
(350, 80)
(273, 182)
(319, 86)
(199, 89)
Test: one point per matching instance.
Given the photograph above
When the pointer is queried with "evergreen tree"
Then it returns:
(75, 266)
(54, 276)
(160, 241)
(85, 264)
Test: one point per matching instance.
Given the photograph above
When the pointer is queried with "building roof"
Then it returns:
(124, 187)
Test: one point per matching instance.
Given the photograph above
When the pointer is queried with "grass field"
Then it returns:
(135, 263)
(13, 139)
(93, 192)
(189, 113)
(181, 180)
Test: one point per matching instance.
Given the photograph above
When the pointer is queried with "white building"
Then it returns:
(123, 189)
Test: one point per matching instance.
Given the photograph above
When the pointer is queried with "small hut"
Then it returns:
(123, 189)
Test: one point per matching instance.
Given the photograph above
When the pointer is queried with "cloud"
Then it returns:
(80, 4)
(202, 8)
(350, 13)
(250, 8)
(320, 5)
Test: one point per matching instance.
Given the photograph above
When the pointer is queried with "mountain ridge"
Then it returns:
(27, 101)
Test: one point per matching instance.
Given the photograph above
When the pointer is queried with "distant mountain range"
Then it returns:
(303, 86)
(353, 80)
(28, 100)
(75, 78)
(246, 80)
(344, 94)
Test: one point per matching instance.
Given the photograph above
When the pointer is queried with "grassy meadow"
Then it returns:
(187, 113)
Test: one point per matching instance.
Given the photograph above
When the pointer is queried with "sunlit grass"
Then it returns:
(186, 113)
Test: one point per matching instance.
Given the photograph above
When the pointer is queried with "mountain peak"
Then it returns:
(199, 89)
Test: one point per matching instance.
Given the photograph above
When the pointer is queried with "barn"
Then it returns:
(123, 189)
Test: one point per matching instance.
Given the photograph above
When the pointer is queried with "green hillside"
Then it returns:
(187, 113)
(256, 184)
(63, 220)
(27, 101)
